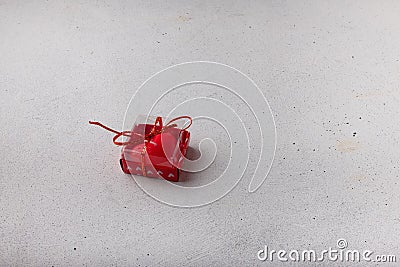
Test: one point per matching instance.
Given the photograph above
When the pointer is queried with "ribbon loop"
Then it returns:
(179, 118)
(154, 131)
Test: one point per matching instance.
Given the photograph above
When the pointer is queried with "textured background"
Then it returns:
(330, 70)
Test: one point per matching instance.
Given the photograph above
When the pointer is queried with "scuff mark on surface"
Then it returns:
(184, 18)
(358, 177)
(347, 145)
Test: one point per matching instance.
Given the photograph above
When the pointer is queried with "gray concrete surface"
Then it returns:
(330, 70)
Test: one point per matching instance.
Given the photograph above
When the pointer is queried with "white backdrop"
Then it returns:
(329, 69)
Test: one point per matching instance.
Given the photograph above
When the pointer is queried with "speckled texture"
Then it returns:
(330, 71)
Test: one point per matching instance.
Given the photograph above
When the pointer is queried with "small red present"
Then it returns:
(153, 149)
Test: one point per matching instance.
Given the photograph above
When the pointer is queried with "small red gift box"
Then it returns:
(153, 149)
